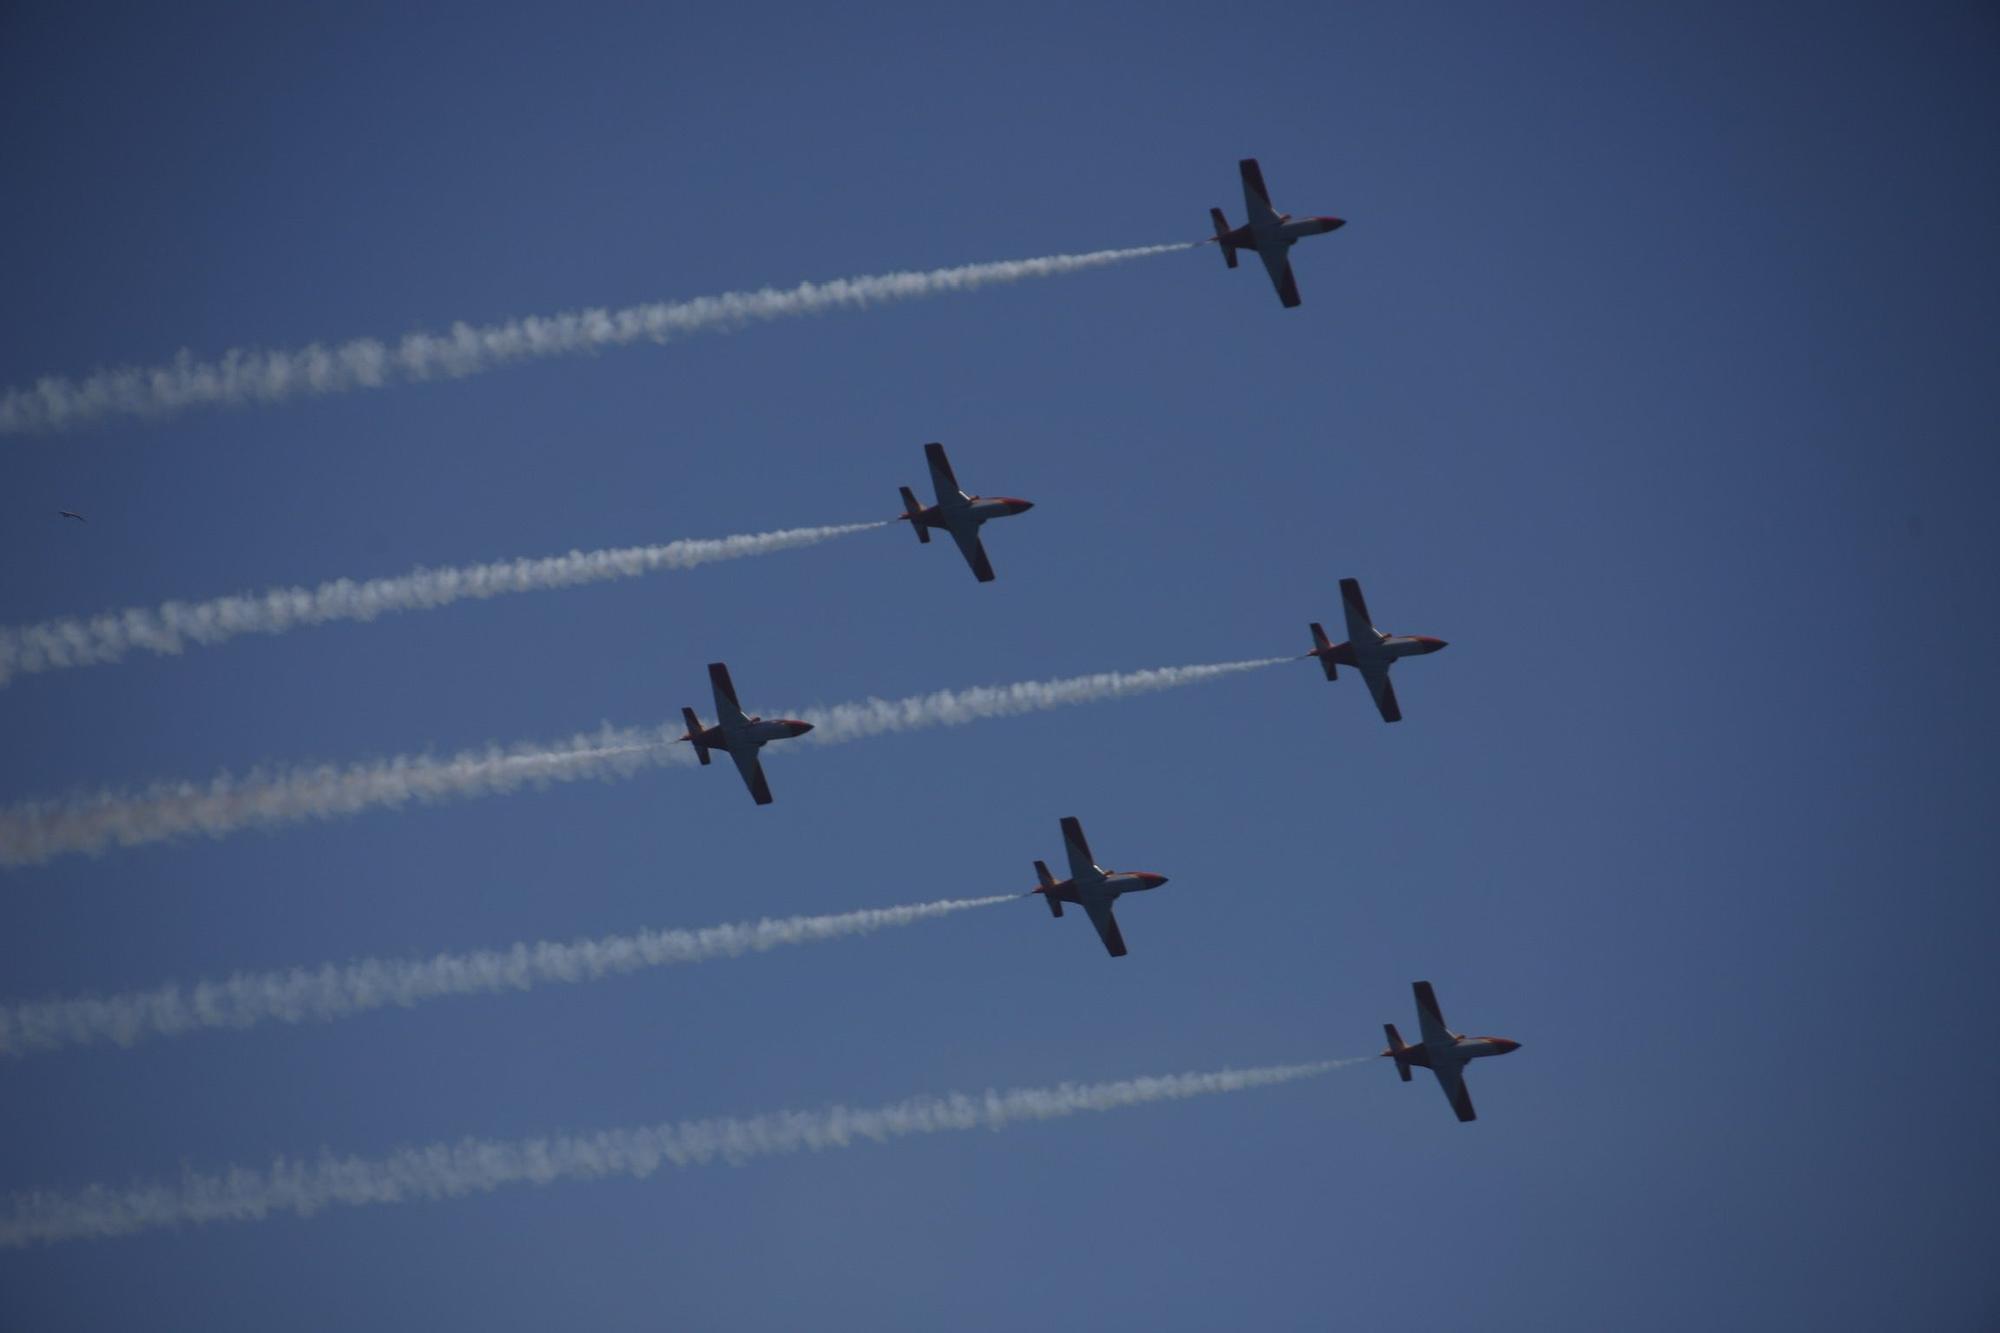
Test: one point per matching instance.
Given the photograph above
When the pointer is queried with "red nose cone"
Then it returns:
(1021, 506)
(1153, 881)
(1334, 224)
(801, 728)
(1507, 1046)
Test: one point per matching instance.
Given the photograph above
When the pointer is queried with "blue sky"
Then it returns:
(1653, 371)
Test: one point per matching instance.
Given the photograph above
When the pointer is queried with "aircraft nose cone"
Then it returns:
(1334, 224)
(801, 728)
(1507, 1045)
(1023, 506)
(1437, 644)
(1155, 881)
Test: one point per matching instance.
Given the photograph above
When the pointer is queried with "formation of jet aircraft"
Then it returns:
(1368, 650)
(1269, 233)
(1091, 887)
(737, 735)
(957, 513)
(1442, 1051)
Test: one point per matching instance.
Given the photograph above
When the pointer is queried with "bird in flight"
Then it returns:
(71, 513)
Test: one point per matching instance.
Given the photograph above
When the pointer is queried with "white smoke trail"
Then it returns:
(330, 992)
(953, 708)
(471, 1166)
(36, 831)
(75, 641)
(249, 375)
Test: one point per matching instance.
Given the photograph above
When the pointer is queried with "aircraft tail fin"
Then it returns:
(694, 734)
(1221, 232)
(1048, 882)
(1397, 1051)
(910, 511)
(1320, 644)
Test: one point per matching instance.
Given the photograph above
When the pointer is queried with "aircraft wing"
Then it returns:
(1099, 912)
(1430, 1018)
(727, 711)
(1360, 627)
(1278, 263)
(974, 552)
(752, 769)
(1377, 677)
(1452, 1080)
(942, 480)
(1257, 199)
(1082, 866)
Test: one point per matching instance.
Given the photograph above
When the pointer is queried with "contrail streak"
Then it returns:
(252, 375)
(38, 830)
(171, 627)
(471, 1166)
(329, 992)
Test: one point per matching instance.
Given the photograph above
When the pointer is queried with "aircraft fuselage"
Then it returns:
(1282, 236)
(1389, 648)
(1459, 1051)
(976, 511)
(1111, 886)
(754, 733)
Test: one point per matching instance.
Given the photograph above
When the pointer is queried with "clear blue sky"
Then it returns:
(1655, 371)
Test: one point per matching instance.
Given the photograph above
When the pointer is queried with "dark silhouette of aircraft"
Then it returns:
(1091, 887)
(1268, 232)
(738, 736)
(71, 513)
(957, 513)
(1442, 1051)
(1368, 650)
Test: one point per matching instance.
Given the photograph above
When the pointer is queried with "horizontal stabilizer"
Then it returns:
(1221, 233)
(910, 511)
(1320, 645)
(1396, 1050)
(1048, 882)
(694, 734)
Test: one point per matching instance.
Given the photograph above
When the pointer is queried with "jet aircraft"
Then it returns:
(1268, 232)
(1091, 887)
(738, 736)
(1442, 1051)
(71, 513)
(1368, 650)
(957, 513)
